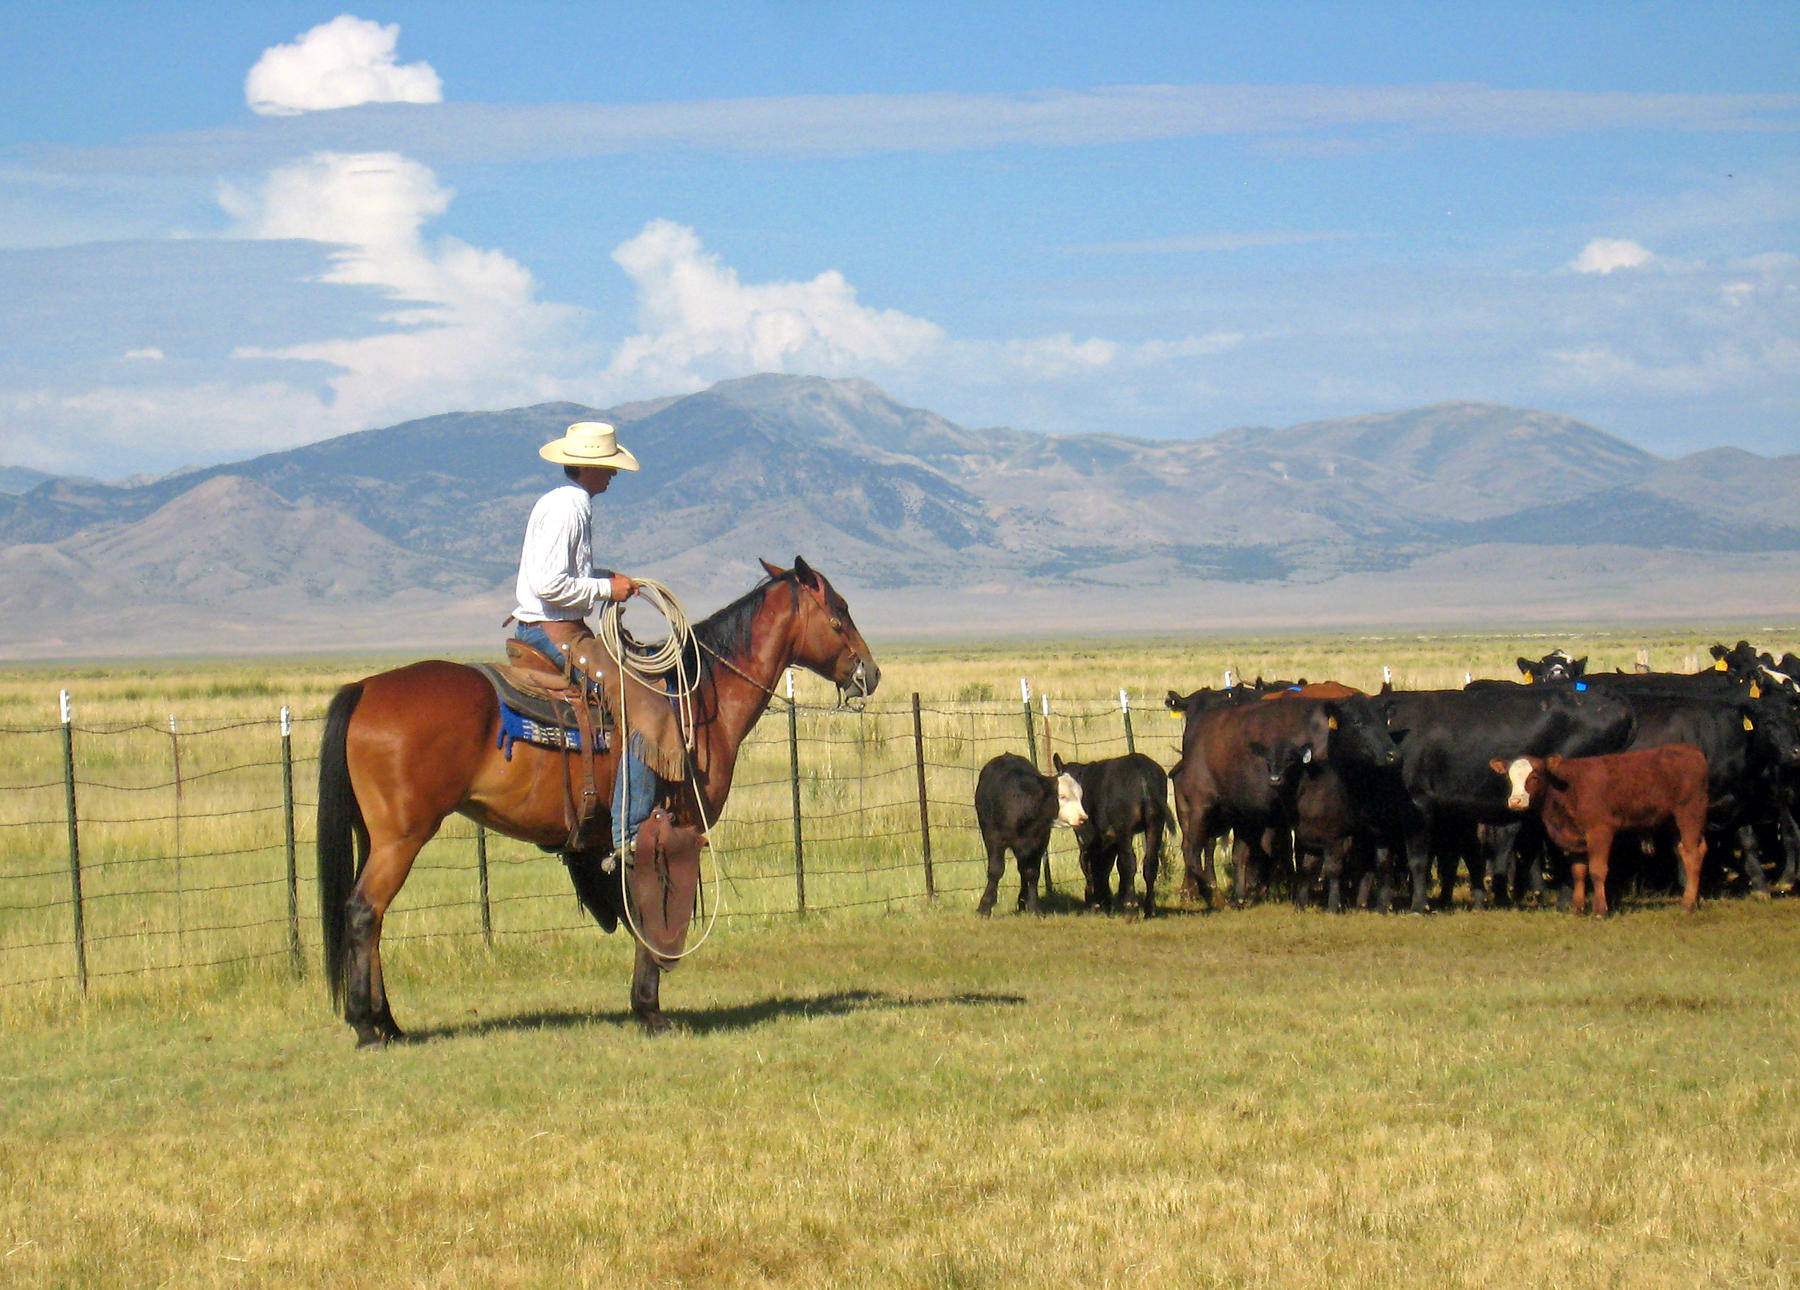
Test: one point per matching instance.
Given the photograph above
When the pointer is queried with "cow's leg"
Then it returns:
(1418, 862)
(1100, 889)
(1789, 877)
(1599, 864)
(1693, 854)
(1152, 864)
(1196, 861)
(1127, 861)
(1332, 866)
(1753, 865)
(1241, 850)
(996, 868)
(1031, 863)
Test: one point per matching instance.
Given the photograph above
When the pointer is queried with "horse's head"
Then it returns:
(825, 639)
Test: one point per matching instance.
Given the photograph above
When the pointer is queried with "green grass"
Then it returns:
(927, 1099)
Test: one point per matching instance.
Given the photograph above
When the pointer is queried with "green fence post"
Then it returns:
(794, 778)
(68, 743)
(481, 874)
(293, 871)
(924, 808)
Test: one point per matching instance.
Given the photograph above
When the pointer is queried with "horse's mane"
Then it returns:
(726, 632)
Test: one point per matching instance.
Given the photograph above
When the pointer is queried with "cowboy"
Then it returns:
(558, 586)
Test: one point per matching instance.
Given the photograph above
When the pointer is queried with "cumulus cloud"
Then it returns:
(699, 321)
(338, 64)
(1606, 254)
(466, 327)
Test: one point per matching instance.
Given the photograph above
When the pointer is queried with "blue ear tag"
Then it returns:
(1581, 685)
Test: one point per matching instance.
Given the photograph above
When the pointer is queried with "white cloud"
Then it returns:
(1605, 254)
(469, 330)
(338, 64)
(149, 353)
(700, 321)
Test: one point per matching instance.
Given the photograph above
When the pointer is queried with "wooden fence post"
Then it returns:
(293, 872)
(924, 810)
(1125, 712)
(68, 743)
(794, 778)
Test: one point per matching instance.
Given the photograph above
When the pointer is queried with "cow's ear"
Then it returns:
(1524, 667)
(1174, 702)
(1719, 651)
(1579, 666)
(1057, 761)
(1499, 765)
(1259, 748)
(1554, 763)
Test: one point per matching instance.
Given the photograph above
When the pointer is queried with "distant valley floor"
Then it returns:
(1476, 588)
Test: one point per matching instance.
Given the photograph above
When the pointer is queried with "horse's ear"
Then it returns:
(805, 572)
(770, 569)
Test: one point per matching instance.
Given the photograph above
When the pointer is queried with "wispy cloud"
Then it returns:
(439, 133)
(1204, 243)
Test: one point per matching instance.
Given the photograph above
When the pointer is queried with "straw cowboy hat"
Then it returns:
(588, 443)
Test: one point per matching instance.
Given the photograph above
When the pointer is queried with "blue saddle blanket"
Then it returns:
(516, 726)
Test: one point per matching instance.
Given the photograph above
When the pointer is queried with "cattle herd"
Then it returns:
(1533, 790)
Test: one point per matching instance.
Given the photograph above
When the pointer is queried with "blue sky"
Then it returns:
(229, 228)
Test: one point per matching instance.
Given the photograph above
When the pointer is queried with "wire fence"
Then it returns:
(133, 849)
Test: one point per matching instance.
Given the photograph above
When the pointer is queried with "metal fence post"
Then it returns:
(924, 810)
(481, 873)
(68, 743)
(1049, 765)
(794, 778)
(293, 872)
(1030, 733)
(1125, 711)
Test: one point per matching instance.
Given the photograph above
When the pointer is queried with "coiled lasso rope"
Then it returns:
(649, 665)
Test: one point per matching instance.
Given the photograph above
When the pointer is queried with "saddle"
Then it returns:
(546, 704)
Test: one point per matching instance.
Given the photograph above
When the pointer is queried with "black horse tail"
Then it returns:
(342, 836)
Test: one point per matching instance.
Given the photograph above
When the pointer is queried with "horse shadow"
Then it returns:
(720, 1020)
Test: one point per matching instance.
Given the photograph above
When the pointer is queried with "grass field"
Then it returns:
(892, 1094)
(1261, 1098)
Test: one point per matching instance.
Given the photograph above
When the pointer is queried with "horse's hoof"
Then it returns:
(654, 1023)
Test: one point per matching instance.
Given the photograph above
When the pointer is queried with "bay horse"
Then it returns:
(404, 749)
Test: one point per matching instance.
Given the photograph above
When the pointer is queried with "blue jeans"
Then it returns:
(634, 783)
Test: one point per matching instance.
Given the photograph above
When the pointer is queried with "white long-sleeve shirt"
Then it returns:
(556, 565)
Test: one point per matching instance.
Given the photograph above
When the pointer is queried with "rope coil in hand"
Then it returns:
(650, 665)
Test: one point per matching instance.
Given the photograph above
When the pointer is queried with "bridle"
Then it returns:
(848, 700)
(859, 675)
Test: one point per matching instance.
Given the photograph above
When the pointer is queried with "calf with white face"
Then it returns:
(1016, 808)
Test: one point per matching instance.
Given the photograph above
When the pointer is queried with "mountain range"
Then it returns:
(409, 534)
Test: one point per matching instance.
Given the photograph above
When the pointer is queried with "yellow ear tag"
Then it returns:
(1720, 666)
(1749, 724)
(1331, 723)
(1525, 674)
(1755, 690)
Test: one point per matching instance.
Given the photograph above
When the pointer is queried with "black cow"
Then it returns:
(1751, 741)
(1557, 665)
(1238, 769)
(1449, 737)
(1016, 808)
(1122, 796)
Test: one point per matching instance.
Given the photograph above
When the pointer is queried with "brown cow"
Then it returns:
(1584, 801)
